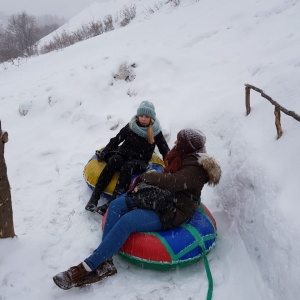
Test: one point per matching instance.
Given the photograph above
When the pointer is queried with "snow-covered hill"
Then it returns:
(192, 62)
(99, 10)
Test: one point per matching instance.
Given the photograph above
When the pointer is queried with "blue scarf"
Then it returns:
(142, 131)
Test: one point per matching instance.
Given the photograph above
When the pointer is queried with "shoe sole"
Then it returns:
(91, 209)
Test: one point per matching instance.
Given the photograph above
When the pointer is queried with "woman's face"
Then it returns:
(144, 120)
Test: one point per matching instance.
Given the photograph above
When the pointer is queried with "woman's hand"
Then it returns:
(134, 183)
(137, 180)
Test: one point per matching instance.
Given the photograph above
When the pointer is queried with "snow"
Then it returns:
(192, 62)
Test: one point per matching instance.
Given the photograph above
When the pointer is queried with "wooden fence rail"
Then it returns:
(277, 110)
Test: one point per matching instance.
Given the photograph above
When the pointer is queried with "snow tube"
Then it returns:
(169, 249)
(93, 169)
(162, 250)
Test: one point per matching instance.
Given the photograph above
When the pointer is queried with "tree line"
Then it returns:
(19, 38)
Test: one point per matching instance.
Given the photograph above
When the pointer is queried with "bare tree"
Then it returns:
(24, 31)
(108, 23)
(8, 49)
(19, 38)
(96, 28)
(127, 14)
(174, 2)
(6, 212)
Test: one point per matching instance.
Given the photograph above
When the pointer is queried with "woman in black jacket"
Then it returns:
(138, 140)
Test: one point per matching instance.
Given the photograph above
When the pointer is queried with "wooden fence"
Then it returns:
(278, 107)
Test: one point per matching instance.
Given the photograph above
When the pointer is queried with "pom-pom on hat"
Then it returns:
(146, 108)
(191, 140)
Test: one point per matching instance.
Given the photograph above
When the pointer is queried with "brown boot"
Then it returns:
(104, 270)
(78, 276)
(71, 278)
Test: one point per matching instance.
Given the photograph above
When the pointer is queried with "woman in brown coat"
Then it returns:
(188, 168)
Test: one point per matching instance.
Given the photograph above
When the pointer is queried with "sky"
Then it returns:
(61, 8)
(60, 107)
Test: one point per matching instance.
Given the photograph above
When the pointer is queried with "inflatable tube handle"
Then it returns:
(199, 238)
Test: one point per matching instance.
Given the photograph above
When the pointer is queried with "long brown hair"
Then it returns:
(173, 160)
(150, 134)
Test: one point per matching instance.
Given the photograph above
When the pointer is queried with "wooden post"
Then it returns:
(248, 108)
(6, 213)
(277, 122)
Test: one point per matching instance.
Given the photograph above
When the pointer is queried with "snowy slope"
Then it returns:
(192, 62)
(100, 9)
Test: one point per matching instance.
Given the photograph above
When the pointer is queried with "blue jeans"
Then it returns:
(120, 223)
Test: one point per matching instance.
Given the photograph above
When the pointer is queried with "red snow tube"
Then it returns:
(168, 249)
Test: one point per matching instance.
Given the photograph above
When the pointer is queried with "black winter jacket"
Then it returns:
(134, 146)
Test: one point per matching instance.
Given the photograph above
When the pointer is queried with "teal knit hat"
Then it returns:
(146, 108)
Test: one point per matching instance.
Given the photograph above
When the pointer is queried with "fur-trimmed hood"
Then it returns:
(211, 166)
(196, 170)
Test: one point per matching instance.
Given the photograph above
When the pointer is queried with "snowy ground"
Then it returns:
(192, 62)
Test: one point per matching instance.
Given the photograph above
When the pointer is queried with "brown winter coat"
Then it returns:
(187, 183)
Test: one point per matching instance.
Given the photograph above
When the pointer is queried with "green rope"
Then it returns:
(176, 257)
(199, 238)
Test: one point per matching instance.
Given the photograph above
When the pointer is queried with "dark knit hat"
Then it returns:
(191, 140)
(146, 108)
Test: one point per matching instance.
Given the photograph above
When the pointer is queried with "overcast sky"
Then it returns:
(62, 8)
